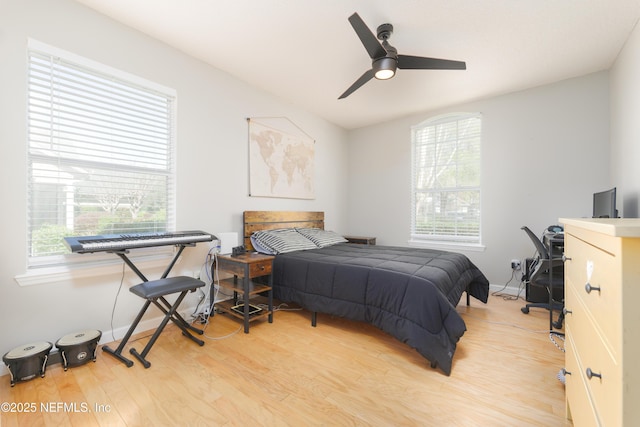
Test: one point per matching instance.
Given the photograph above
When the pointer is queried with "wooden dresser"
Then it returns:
(602, 324)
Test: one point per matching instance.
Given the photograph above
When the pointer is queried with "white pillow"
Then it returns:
(321, 237)
(283, 240)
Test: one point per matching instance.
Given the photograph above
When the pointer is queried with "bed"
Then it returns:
(407, 292)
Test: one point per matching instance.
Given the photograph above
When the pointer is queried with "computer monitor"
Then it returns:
(604, 204)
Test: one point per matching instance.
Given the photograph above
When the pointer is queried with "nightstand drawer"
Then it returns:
(258, 269)
(258, 265)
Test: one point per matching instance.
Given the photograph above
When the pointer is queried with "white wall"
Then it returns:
(212, 164)
(544, 152)
(625, 127)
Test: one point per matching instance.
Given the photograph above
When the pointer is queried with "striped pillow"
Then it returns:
(283, 240)
(321, 237)
(260, 247)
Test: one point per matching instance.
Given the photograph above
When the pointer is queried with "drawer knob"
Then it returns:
(566, 311)
(591, 374)
(565, 258)
(565, 372)
(590, 288)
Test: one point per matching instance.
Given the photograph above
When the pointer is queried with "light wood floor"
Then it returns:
(288, 373)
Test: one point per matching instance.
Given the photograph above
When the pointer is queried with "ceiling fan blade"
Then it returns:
(368, 75)
(368, 39)
(407, 62)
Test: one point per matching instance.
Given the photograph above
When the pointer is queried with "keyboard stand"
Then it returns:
(154, 292)
(123, 255)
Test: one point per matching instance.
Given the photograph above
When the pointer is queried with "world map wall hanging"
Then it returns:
(281, 159)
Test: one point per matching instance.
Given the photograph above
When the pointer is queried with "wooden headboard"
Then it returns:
(271, 220)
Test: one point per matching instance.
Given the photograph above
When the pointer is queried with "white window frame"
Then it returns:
(65, 264)
(439, 239)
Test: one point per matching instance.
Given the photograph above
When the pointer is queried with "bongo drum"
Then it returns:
(27, 361)
(78, 348)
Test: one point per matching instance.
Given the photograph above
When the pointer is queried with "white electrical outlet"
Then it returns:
(515, 264)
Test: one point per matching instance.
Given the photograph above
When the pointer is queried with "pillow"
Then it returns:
(321, 237)
(283, 240)
(259, 247)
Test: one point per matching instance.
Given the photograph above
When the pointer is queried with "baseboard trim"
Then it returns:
(508, 290)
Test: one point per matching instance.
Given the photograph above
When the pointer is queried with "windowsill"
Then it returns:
(66, 273)
(447, 246)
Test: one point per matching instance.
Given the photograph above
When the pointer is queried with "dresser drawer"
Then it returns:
(597, 268)
(592, 352)
(579, 405)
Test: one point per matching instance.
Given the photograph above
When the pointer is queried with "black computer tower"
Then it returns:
(539, 293)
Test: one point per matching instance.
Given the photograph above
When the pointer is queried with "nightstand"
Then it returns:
(361, 240)
(245, 268)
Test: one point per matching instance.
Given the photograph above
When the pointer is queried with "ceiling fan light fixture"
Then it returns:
(384, 68)
(384, 74)
(385, 59)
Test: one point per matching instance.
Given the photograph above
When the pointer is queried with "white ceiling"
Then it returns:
(307, 53)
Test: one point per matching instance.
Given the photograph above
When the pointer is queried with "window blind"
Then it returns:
(446, 179)
(100, 153)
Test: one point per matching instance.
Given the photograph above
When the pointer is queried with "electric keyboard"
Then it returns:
(121, 242)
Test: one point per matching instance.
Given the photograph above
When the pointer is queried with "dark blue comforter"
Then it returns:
(409, 293)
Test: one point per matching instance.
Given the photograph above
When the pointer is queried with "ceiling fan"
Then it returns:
(385, 59)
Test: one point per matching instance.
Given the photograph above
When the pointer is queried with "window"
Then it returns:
(100, 154)
(446, 180)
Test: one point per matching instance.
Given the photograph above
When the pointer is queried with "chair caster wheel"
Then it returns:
(525, 310)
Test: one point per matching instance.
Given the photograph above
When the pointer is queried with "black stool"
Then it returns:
(154, 292)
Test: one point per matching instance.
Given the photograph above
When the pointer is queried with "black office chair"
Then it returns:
(546, 272)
